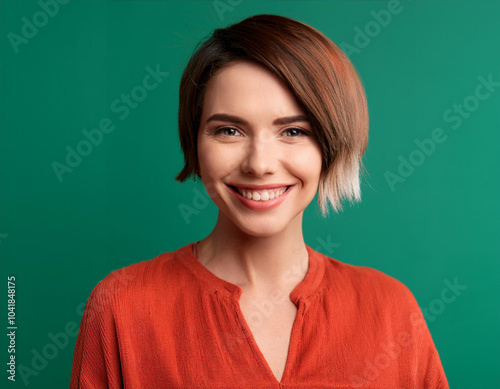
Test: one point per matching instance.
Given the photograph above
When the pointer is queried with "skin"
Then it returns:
(261, 251)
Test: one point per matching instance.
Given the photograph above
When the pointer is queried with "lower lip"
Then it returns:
(261, 205)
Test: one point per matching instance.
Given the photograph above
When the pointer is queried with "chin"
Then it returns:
(261, 228)
(259, 233)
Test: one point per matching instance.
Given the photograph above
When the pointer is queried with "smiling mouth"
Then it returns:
(260, 195)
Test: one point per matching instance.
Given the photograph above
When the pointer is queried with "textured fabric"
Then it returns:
(171, 323)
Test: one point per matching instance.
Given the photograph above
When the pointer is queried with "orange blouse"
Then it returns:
(170, 323)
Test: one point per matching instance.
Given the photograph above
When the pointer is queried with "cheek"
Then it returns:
(215, 160)
(307, 163)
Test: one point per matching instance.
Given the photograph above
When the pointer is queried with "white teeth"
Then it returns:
(263, 196)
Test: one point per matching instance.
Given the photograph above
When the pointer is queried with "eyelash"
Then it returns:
(304, 132)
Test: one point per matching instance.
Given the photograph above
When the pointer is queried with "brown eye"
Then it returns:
(230, 131)
(295, 132)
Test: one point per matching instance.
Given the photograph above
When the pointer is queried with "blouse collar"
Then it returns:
(303, 290)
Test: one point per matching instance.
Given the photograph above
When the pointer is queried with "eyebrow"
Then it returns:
(223, 117)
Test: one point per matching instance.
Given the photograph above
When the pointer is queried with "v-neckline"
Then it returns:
(292, 346)
(300, 296)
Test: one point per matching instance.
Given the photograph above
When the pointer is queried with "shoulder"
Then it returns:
(372, 299)
(159, 276)
(368, 286)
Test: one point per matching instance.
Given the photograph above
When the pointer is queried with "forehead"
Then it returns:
(245, 87)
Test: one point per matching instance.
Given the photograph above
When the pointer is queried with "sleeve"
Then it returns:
(96, 360)
(428, 370)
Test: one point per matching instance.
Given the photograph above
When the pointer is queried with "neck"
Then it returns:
(265, 263)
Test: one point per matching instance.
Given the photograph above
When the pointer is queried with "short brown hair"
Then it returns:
(317, 73)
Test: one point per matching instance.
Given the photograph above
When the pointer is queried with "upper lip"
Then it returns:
(258, 187)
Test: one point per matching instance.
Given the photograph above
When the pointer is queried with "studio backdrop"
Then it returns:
(89, 149)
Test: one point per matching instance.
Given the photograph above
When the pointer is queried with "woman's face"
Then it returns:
(254, 136)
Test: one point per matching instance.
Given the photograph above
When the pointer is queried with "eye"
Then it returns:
(295, 132)
(230, 131)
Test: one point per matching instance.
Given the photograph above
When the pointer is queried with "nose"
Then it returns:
(261, 156)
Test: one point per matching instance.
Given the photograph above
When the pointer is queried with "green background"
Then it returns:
(120, 205)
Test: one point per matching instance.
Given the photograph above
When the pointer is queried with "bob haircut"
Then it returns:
(317, 73)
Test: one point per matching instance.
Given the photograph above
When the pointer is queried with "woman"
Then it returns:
(270, 111)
